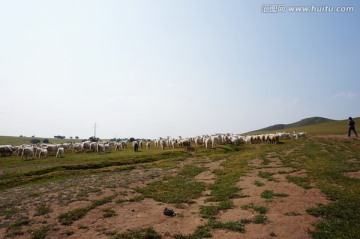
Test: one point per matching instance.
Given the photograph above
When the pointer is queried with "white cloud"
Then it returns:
(346, 95)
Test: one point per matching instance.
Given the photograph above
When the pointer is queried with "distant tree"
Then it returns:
(59, 137)
(132, 139)
(21, 136)
(76, 137)
(71, 137)
(93, 139)
(46, 141)
(33, 136)
(35, 141)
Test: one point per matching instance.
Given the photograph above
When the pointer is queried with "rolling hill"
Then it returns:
(313, 125)
(303, 122)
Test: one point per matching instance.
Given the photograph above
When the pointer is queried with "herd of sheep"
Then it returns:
(58, 150)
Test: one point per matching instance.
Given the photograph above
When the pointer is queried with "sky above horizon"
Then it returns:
(158, 68)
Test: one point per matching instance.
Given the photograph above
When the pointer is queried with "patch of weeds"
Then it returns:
(208, 211)
(20, 222)
(180, 189)
(200, 232)
(137, 198)
(69, 217)
(15, 228)
(143, 233)
(258, 183)
(265, 161)
(300, 181)
(292, 214)
(13, 232)
(120, 201)
(173, 190)
(260, 219)
(42, 210)
(259, 209)
(231, 226)
(190, 171)
(268, 176)
(224, 187)
(211, 211)
(273, 234)
(269, 194)
(111, 186)
(224, 205)
(9, 213)
(34, 194)
(68, 232)
(180, 206)
(40, 233)
(109, 213)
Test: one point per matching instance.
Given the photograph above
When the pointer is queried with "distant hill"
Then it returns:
(301, 123)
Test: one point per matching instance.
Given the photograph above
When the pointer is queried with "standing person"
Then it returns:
(352, 127)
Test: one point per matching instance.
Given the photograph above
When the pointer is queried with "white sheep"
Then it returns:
(60, 152)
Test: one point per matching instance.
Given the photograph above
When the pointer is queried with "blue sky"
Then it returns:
(168, 68)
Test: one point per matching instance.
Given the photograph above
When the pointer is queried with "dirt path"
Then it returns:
(286, 216)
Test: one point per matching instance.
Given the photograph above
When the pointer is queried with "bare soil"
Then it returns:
(287, 217)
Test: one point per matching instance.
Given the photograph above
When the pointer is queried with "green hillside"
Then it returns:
(303, 122)
(333, 127)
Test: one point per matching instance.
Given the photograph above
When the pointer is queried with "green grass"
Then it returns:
(258, 183)
(15, 140)
(267, 175)
(300, 181)
(292, 214)
(325, 160)
(336, 127)
(70, 217)
(17, 172)
(178, 189)
(42, 210)
(143, 233)
(109, 212)
(40, 233)
(269, 194)
(259, 209)
(211, 211)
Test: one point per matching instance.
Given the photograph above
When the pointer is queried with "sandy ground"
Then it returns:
(287, 217)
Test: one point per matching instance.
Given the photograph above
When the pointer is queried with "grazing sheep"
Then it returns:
(148, 145)
(6, 150)
(60, 152)
(100, 148)
(207, 142)
(43, 153)
(118, 146)
(77, 147)
(214, 141)
(27, 152)
(162, 144)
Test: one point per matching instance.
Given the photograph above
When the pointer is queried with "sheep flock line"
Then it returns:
(208, 141)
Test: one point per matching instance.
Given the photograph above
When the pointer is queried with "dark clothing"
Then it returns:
(352, 123)
(352, 127)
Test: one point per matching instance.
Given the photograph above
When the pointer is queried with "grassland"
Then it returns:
(13, 140)
(122, 194)
(336, 127)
